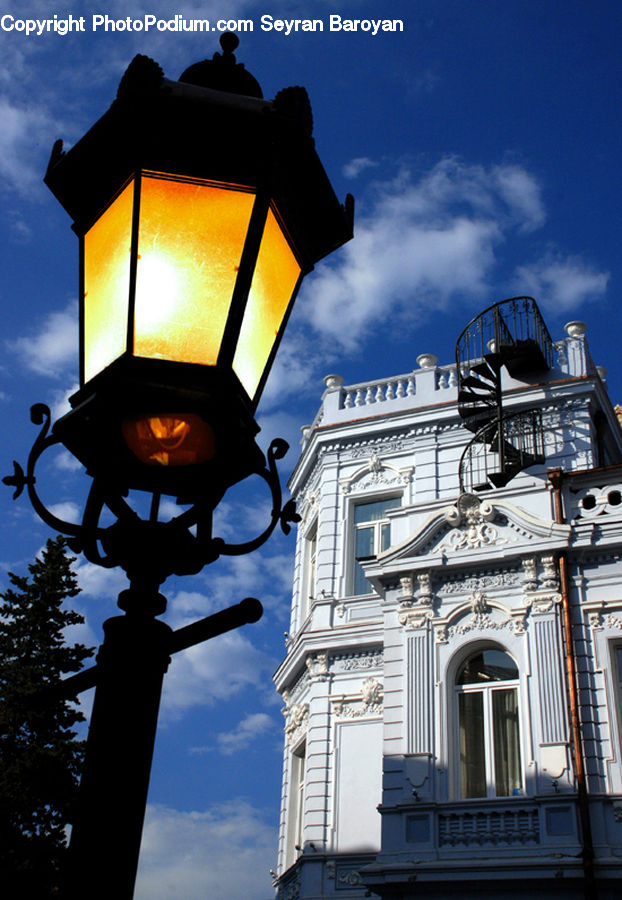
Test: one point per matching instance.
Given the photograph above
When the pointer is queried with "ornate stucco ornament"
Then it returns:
(376, 472)
(414, 613)
(540, 583)
(297, 722)
(317, 665)
(470, 518)
(367, 703)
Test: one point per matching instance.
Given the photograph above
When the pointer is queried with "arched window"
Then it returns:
(488, 730)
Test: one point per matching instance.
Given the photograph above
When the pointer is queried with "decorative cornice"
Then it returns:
(376, 472)
(466, 527)
(356, 706)
(501, 578)
(317, 665)
(351, 662)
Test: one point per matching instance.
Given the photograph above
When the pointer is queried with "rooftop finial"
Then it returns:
(222, 72)
(229, 41)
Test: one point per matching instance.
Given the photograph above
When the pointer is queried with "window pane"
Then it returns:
(487, 666)
(506, 743)
(472, 749)
(385, 536)
(371, 512)
(364, 542)
(364, 547)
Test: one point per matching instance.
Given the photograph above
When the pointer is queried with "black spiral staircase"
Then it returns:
(509, 334)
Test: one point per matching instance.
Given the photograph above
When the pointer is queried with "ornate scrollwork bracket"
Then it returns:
(180, 546)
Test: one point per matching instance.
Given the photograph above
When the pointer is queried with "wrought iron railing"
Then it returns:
(494, 456)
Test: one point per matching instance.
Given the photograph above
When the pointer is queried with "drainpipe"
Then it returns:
(556, 477)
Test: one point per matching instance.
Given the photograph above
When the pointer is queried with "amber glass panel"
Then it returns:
(274, 281)
(106, 284)
(190, 243)
(169, 439)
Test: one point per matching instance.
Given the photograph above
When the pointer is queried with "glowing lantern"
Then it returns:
(199, 211)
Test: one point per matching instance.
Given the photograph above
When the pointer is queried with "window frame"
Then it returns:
(308, 589)
(355, 527)
(487, 690)
(296, 804)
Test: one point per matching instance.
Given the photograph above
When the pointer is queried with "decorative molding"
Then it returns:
(352, 878)
(463, 583)
(352, 662)
(543, 602)
(599, 621)
(361, 448)
(407, 593)
(297, 716)
(374, 473)
(367, 703)
(518, 825)
(480, 622)
(317, 665)
(601, 500)
(484, 617)
(309, 505)
(530, 576)
(467, 527)
(291, 694)
(290, 890)
(414, 614)
(470, 519)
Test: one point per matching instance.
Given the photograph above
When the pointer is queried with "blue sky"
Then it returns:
(482, 144)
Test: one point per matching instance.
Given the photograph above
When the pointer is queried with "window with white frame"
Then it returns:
(486, 689)
(309, 586)
(371, 536)
(296, 804)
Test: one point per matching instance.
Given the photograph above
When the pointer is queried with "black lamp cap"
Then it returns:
(222, 72)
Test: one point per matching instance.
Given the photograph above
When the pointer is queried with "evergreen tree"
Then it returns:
(40, 759)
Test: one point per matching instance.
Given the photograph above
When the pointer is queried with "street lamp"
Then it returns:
(199, 207)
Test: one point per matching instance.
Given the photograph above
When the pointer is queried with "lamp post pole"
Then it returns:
(108, 822)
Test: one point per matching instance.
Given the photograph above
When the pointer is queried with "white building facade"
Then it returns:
(453, 676)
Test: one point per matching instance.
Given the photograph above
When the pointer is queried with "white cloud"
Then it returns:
(225, 851)
(561, 283)
(64, 460)
(244, 733)
(24, 128)
(354, 168)
(60, 406)
(95, 581)
(54, 347)
(522, 194)
(422, 243)
(215, 670)
(67, 511)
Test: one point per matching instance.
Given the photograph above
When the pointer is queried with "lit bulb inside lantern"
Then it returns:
(171, 439)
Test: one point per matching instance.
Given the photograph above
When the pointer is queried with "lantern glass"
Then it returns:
(274, 282)
(190, 243)
(107, 284)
